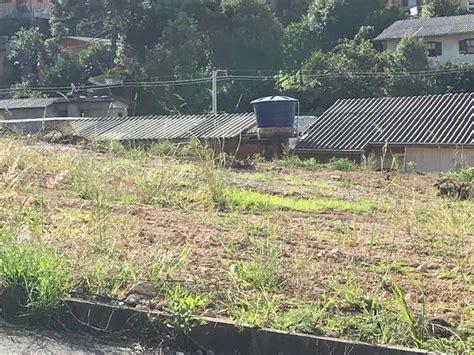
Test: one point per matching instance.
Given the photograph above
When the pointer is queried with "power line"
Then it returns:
(284, 77)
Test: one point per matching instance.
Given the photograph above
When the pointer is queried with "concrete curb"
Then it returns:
(214, 336)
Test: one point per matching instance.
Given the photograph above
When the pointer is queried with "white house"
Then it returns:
(447, 39)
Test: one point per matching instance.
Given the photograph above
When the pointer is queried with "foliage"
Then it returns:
(302, 42)
(34, 273)
(265, 272)
(182, 308)
(332, 20)
(439, 8)
(464, 175)
(28, 50)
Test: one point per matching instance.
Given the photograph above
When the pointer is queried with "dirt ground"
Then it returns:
(410, 236)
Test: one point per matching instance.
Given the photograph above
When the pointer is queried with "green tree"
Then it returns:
(407, 65)
(438, 8)
(65, 69)
(333, 20)
(298, 44)
(28, 50)
(352, 69)
(95, 60)
(181, 54)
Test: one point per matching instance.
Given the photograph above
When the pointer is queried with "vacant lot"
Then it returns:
(331, 250)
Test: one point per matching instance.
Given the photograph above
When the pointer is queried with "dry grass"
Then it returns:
(286, 245)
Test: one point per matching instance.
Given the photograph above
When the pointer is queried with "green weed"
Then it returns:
(163, 266)
(263, 273)
(260, 309)
(34, 272)
(265, 202)
(464, 175)
(304, 318)
(107, 275)
(182, 309)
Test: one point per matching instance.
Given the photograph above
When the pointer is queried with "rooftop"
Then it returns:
(353, 125)
(27, 103)
(164, 127)
(103, 41)
(430, 27)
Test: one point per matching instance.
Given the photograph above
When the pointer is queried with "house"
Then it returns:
(414, 6)
(26, 8)
(426, 133)
(446, 39)
(18, 109)
(76, 44)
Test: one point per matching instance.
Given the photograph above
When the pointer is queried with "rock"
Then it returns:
(144, 289)
(133, 299)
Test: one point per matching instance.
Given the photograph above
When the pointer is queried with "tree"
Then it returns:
(438, 8)
(333, 20)
(28, 50)
(408, 60)
(298, 44)
(410, 54)
(352, 69)
(250, 37)
(181, 54)
(95, 60)
(65, 69)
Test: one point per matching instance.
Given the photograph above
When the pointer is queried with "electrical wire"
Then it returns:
(283, 77)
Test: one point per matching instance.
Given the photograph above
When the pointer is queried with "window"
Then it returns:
(466, 46)
(470, 46)
(434, 49)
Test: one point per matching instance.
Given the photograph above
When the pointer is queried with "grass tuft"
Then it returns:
(35, 274)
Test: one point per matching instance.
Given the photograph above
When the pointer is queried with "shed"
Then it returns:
(18, 109)
(231, 133)
(423, 133)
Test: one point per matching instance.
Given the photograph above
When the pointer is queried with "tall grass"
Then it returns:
(34, 273)
(210, 168)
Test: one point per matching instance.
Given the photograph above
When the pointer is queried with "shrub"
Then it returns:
(343, 164)
(464, 175)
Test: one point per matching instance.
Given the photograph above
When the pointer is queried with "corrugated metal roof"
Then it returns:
(28, 103)
(104, 41)
(430, 27)
(355, 124)
(166, 127)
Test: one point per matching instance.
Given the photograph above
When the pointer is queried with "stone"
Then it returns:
(133, 299)
(144, 289)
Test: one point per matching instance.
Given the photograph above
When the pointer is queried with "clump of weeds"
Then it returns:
(36, 274)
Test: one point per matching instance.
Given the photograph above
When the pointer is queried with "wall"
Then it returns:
(95, 109)
(25, 128)
(73, 45)
(423, 158)
(450, 50)
(412, 3)
(12, 6)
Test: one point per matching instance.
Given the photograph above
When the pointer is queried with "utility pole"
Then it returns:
(214, 92)
(215, 73)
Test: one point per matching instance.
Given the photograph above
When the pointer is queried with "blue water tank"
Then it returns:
(275, 111)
